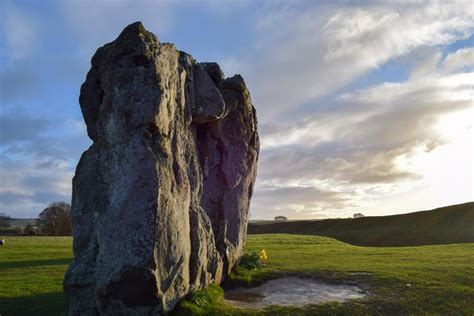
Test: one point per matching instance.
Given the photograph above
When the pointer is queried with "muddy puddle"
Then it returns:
(292, 291)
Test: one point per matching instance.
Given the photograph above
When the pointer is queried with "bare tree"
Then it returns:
(55, 220)
(4, 220)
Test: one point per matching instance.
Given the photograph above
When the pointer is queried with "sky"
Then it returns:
(363, 106)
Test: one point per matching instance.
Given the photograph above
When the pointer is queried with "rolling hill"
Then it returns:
(445, 225)
(22, 222)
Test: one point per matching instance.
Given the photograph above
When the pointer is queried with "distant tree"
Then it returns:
(4, 220)
(29, 230)
(55, 220)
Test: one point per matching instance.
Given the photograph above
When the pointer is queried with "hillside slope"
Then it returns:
(445, 225)
(22, 222)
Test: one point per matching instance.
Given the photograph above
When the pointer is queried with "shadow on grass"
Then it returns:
(53, 303)
(34, 263)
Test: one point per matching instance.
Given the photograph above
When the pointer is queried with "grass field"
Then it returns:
(445, 225)
(441, 276)
(31, 274)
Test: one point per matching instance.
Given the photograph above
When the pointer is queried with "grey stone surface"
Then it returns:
(161, 198)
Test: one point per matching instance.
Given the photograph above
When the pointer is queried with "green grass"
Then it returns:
(442, 276)
(31, 274)
(446, 225)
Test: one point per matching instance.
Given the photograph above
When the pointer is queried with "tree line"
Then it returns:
(54, 220)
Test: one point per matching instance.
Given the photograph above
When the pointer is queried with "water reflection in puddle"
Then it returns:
(292, 291)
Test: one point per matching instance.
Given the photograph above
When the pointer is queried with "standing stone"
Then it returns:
(161, 198)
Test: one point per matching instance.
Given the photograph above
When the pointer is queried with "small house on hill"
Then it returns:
(281, 218)
(358, 215)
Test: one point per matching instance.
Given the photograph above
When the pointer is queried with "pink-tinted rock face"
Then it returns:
(161, 198)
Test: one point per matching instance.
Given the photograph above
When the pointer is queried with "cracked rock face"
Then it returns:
(161, 198)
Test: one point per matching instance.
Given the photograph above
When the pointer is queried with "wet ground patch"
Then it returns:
(292, 291)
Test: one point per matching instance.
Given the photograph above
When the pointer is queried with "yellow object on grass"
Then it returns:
(262, 255)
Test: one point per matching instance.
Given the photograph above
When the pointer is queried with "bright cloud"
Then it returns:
(371, 141)
(459, 59)
(324, 48)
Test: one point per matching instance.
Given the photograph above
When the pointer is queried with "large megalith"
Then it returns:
(160, 199)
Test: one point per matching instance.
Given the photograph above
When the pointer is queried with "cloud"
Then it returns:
(460, 59)
(27, 186)
(26, 136)
(297, 201)
(309, 53)
(37, 157)
(20, 32)
(19, 81)
(326, 148)
(20, 126)
(427, 66)
(364, 141)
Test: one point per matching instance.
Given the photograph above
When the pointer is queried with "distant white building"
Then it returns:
(281, 218)
(358, 215)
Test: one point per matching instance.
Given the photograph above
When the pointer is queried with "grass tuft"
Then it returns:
(201, 302)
